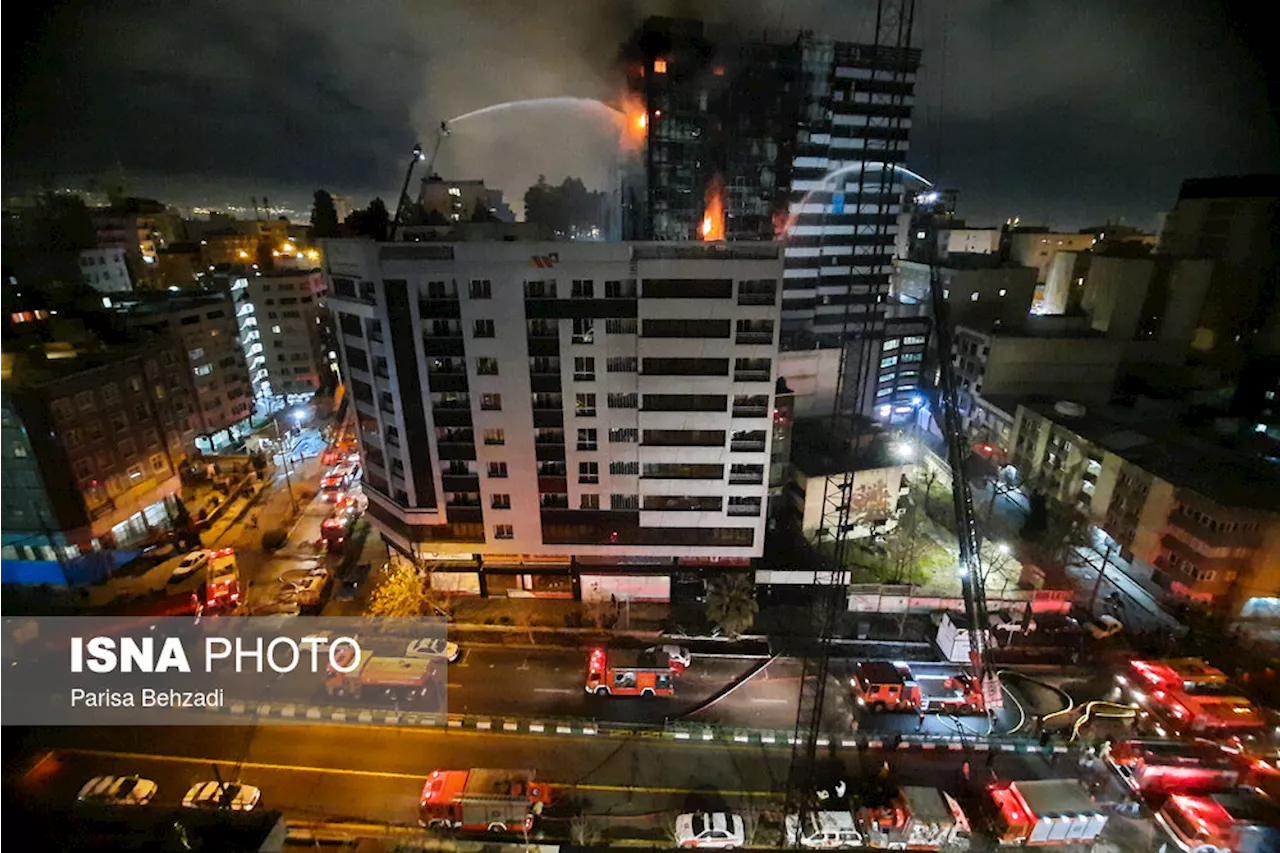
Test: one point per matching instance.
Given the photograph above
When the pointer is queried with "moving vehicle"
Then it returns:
(117, 791)
(434, 648)
(713, 830)
(222, 588)
(190, 564)
(884, 686)
(482, 800)
(1244, 821)
(1156, 768)
(399, 679)
(230, 796)
(917, 819)
(833, 830)
(1043, 812)
(624, 673)
(1186, 696)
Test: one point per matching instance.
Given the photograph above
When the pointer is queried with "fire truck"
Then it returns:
(884, 686)
(916, 819)
(222, 584)
(1043, 812)
(624, 673)
(482, 800)
(1186, 696)
(1153, 769)
(1243, 821)
(398, 679)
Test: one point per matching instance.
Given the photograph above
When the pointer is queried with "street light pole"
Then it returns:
(285, 462)
(1102, 570)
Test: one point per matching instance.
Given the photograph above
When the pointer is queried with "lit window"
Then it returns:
(659, 66)
(973, 297)
(275, 329)
(1003, 291)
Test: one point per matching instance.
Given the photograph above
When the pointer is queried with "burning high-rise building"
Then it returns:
(775, 130)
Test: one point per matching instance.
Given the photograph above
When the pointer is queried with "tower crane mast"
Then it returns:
(860, 331)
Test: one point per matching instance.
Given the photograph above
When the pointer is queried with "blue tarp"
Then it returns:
(82, 571)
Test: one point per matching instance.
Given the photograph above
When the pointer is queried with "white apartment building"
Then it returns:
(285, 332)
(562, 418)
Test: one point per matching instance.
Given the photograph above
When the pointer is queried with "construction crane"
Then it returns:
(417, 158)
(860, 331)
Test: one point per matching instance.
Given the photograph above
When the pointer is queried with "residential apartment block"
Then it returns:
(552, 408)
(94, 439)
(206, 327)
(1206, 519)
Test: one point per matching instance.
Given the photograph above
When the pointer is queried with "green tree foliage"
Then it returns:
(374, 221)
(567, 209)
(404, 590)
(731, 603)
(324, 216)
(274, 539)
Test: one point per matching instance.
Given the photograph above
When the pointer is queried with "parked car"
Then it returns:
(117, 791)
(1105, 626)
(222, 796)
(435, 648)
(827, 830)
(191, 563)
(679, 656)
(714, 830)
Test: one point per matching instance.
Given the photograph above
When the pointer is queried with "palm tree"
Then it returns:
(731, 603)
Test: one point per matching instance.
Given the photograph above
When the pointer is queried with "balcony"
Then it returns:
(751, 376)
(548, 418)
(746, 446)
(556, 485)
(753, 338)
(750, 411)
(555, 502)
(743, 511)
(461, 483)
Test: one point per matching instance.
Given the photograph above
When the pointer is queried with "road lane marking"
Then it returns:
(764, 701)
(553, 690)
(380, 774)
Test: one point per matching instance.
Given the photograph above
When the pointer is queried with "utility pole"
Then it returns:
(284, 461)
(1102, 570)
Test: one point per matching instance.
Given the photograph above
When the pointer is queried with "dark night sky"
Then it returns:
(1062, 113)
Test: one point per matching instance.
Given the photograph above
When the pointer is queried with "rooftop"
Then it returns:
(815, 452)
(1155, 442)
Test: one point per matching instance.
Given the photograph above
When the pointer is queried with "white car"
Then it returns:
(717, 830)
(679, 656)
(1106, 626)
(436, 648)
(227, 795)
(192, 562)
(823, 831)
(118, 791)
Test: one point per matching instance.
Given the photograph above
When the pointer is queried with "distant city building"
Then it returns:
(94, 439)
(1233, 221)
(457, 201)
(141, 227)
(1152, 303)
(981, 291)
(106, 270)
(284, 333)
(1030, 247)
(180, 265)
(552, 417)
(213, 360)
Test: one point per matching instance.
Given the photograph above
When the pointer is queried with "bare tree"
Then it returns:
(406, 589)
(584, 830)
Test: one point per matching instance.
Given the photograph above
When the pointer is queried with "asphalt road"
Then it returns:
(334, 773)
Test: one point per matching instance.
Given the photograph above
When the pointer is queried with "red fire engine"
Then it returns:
(222, 586)
(400, 679)
(884, 686)
(622, 673)
(1186, 696)
(1044, 812)
(1158, 768)
(482, 800)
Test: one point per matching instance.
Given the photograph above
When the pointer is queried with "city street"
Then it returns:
(376, 774)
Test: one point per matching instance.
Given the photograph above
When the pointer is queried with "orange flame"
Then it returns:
(636, 121)
(713, 213)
